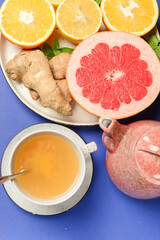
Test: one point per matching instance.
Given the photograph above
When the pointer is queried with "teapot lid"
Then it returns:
(147, 154)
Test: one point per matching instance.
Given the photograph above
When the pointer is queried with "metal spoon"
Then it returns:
(10, 177)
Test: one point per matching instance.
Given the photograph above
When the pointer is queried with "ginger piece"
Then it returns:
(62, 84)
(32, 68)
(58, 65)
(16, 73)
(34, 94)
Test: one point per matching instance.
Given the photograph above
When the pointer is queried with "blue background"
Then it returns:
(104, 212)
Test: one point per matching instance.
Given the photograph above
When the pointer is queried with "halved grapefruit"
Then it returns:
(116, 74)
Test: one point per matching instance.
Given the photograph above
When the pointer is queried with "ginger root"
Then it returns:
(62, 84)
(16, 68)
(58, 65)
(34, 94)
(32, 68)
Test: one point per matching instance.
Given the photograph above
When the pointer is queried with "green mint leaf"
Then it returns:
(47, 50)
(157, 51)
(98, 2)
(56, 44)
(56, 52)
(154, 42)
(66, 50)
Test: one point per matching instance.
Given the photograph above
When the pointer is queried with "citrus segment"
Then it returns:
(135, 16)
(114, 74)
(77, 19)
(27, 23)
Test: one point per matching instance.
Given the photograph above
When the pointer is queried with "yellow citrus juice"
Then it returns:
(51, 163)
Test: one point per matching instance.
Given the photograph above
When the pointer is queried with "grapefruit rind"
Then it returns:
(114, 39)
(23, 44)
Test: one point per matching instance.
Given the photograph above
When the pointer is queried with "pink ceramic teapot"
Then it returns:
(133, 156)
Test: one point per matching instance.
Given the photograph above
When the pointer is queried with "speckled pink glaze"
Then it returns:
(133, 156)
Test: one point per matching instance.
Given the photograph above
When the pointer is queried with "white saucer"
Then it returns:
(68, 199)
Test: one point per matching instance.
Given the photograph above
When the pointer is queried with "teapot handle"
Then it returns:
(107, 125)
(108, 142)
(113, 132)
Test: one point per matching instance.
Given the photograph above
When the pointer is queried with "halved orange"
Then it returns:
(27, 23)
(78, 19)
(134, 16)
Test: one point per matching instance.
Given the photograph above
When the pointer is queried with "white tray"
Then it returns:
(79, 118)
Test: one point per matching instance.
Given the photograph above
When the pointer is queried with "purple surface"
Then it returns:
(104, 213)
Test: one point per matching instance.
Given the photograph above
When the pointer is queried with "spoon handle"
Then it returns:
(3, 179)
(10, 177)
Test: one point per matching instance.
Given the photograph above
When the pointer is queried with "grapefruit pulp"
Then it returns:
(116, 74)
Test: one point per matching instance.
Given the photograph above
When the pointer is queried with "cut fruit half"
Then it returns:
(134, 16)
(114, 74)
(27, 23)
(78, 19)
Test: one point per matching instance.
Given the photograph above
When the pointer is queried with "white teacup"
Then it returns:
(71, 197)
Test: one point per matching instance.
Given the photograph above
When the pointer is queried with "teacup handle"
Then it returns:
(90, 147)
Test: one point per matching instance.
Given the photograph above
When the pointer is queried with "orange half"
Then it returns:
(78, 19)
(134, 16)
(27, 23)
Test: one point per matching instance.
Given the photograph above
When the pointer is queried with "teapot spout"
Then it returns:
(113, 132)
